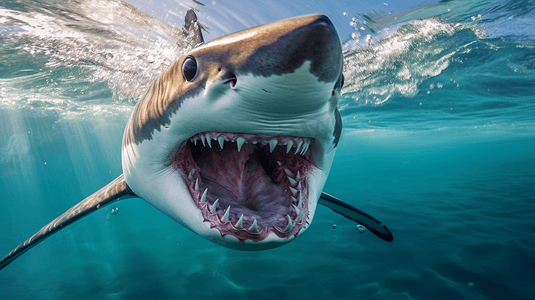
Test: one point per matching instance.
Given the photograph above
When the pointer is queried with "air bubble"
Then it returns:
(361, 229)
(115, 210)
(334, 226)
(470, 284)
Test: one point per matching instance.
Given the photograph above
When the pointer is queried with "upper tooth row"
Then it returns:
(301, 146)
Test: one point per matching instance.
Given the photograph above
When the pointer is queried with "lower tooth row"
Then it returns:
(226, 216)
(254, 227)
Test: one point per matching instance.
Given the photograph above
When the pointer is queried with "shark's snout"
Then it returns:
(316, 41)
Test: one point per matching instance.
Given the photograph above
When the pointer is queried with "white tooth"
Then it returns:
(190, 175)
(300, 204)
(202, 139)
(239, 224)
(253, 228)
(272, 145)
(213, 207)
(240, 142)
(289, 173)
(225, 216)
(299, 186)
(254, 142)
(293, 199)
(221, 141)
(279, 163)
(299, 217)
(299, 213)
(197, 185)
(298, 147)
(292, 181)
(307, 145)
(209, 140)
(298, 177)
(294, 191)
(289, 145)
(195, 141)
(304, 149)
(203, 197)
(290, 224)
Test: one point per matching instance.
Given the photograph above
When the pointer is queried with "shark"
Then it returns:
(235, 140)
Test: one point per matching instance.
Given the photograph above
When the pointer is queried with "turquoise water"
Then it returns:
(438, 143)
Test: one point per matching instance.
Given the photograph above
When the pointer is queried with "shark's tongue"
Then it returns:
(229, 168)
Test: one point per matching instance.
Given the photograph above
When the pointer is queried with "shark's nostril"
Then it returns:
(232, 80)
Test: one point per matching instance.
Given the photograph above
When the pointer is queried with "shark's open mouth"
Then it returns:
(248, 185)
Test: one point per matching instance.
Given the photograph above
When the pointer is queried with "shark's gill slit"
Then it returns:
(248, 185)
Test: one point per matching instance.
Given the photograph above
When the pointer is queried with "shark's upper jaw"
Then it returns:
(248, 185)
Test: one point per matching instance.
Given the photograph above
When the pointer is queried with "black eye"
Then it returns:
(342, 83)
(189, 68)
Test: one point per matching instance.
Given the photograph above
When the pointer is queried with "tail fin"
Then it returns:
(106, 195)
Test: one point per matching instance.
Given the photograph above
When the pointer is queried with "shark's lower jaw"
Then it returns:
(248, 185)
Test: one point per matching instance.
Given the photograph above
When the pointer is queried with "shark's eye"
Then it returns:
(189, 68)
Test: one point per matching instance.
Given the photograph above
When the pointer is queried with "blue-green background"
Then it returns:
(438, 143)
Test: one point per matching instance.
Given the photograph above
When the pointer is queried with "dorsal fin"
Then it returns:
(106, 195)
(192, 28)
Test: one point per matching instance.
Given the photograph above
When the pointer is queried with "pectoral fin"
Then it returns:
(352, 213)
(106, 195)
